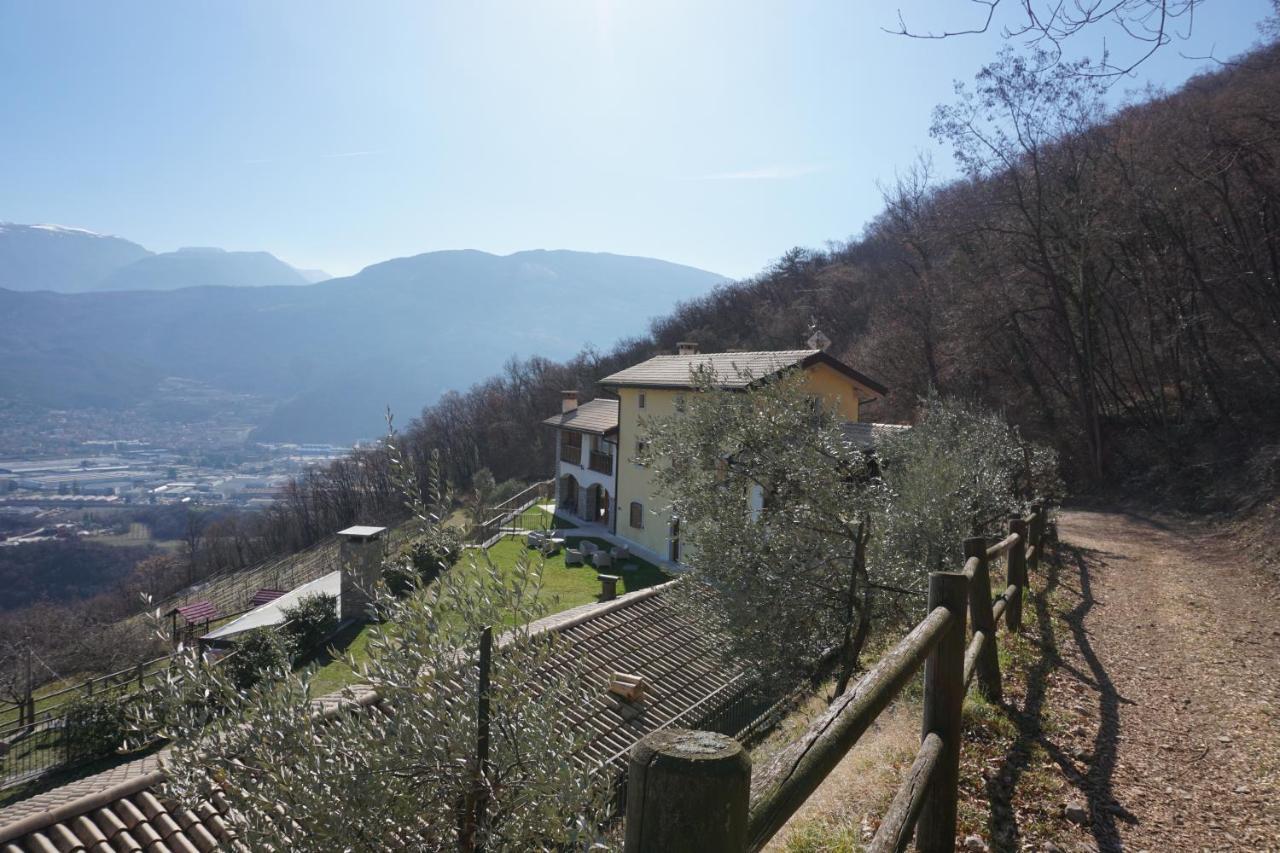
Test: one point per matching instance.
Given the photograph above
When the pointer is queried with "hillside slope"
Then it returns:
(202, 267)
(334, 354)
(1108, 279)
(51, 257)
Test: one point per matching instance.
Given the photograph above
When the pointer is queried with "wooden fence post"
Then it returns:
(987, 667)
(1016, 574)
(687, 792)
(943, 702)
(1035, 535)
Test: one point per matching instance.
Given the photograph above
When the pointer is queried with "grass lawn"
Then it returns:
(563, 587)
(332, 672)
(537, 518)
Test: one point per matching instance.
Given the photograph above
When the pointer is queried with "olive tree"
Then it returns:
(797, 536)
(402, 771)
(960, 471)
(774, 501)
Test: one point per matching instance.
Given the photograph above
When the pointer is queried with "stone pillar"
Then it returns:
(360, 562)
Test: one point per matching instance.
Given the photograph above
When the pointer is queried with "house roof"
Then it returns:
(597, 417)
(638, 633)
(644, 634)
(266, 595)
(197, 611)
(675, 371)
(868, 436)
(272, 611)
(111, 811)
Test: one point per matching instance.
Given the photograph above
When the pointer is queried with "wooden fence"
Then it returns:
(695, 791)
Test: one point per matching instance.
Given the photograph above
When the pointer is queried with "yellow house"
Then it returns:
(656, 388)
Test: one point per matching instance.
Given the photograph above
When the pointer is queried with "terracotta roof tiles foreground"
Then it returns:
(640, 633)
(125, 816)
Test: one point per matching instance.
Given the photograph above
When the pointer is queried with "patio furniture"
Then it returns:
(589, 547)
(550, 547)
(534, 539)
(572, 557)
(620, 552)
(602, 560)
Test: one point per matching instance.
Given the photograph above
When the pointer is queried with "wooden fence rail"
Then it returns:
(925, 804)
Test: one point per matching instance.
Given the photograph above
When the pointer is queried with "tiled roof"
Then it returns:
(198, 611)
(640, 633)
(599, 417)
(868, 436)
(115, 811)
(644, 634)
(265, 595)
(675, 371)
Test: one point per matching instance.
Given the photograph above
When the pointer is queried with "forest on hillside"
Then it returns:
(1114, 286)
(1110, 280)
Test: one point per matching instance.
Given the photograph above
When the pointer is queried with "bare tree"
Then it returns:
(1046, 26)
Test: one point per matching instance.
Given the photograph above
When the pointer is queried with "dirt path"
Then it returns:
(1168, 687)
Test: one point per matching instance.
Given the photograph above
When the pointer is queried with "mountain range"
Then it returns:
(73, 260)
(330, 356)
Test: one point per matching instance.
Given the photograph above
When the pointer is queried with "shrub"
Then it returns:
(95, 726)
(310, 621)
(421, 560)
(261, 652)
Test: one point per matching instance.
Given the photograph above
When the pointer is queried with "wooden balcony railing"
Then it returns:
(571, 454)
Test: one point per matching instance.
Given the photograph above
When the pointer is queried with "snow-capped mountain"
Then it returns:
(54, 257)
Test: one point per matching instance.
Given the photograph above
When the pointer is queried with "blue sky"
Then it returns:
(335, 135)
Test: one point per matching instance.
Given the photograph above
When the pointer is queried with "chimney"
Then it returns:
(608, 587)
(360, 562)
(818, 340)
(687, 348)
(568, 401)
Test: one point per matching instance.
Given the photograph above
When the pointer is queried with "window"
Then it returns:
(637, 515)
(571, 447)
(642, 399)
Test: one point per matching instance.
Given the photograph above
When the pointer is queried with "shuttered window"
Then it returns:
(637, 515)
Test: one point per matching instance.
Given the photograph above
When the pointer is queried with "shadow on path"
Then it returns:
(1095, 785)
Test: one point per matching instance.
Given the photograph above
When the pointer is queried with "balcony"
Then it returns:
(601, 462)
(571, 454)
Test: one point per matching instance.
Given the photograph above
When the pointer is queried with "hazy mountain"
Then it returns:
(51, 257)
(334, 354)
(202, 267)
(73, 260)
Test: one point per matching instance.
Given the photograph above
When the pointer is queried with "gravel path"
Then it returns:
(1169, 685)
